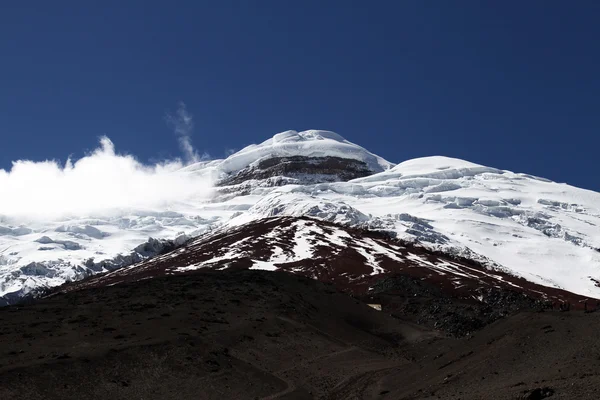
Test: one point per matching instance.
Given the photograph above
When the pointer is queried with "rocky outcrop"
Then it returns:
(305, 169)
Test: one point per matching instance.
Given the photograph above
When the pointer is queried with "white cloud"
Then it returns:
(182, 123)
(102, 182)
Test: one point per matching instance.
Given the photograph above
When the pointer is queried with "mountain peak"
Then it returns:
(311, 143)
(311, 134)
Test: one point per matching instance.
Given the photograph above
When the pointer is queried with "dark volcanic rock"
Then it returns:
(425, 303)
(538, 394)
(306, 169)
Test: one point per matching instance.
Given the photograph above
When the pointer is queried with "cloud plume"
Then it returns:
(182, 124)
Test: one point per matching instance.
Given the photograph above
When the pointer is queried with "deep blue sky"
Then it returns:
(509, 84)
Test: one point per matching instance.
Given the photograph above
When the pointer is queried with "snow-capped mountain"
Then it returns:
(530, 227)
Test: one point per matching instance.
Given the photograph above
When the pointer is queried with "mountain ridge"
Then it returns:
(536, 229)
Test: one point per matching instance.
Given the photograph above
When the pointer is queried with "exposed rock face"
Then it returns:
(425, 303)
(305, 169)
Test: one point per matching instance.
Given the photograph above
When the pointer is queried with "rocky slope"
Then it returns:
(357, 261)
(268, 335)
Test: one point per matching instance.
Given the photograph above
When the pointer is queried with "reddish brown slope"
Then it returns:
(354, 260)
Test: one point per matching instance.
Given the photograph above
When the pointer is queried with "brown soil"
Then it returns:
(272, 335)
